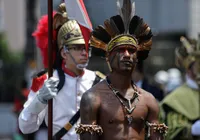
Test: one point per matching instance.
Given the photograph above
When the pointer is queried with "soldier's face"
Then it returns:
(75, 55)
(79, 53)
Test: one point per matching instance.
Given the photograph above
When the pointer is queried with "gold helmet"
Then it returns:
(184, 54)
(69, 31)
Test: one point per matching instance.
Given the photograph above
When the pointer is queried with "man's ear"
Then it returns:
(63, 54)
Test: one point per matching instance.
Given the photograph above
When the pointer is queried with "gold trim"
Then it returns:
(75, 41)
(101, 75)
(68, 126)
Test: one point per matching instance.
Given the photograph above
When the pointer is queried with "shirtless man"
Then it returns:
(116, 109)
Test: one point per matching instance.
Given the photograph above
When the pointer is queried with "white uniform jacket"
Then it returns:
(65, 105)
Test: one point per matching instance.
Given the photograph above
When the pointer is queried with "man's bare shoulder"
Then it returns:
(94, 93)
(98, 88)
(90, 103)
(147, 96)
(145, 93)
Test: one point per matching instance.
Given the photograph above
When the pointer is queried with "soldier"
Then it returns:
(69, 81)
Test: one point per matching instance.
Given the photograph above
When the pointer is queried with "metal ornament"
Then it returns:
(129, 119)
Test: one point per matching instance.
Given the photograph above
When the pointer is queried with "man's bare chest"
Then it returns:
(113, 111)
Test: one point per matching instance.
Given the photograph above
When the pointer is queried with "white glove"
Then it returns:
(195, 130)
(48, 91)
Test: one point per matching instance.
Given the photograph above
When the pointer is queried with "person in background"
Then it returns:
(161, 79)
(181, 107)
(19, 100)
(175, 79)
(141, 81)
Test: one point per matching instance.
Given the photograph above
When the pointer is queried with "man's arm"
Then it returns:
(89, 106)
(32, 115)
(35, 108)
(156, 130)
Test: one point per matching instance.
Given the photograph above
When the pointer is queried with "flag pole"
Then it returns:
(50, 64)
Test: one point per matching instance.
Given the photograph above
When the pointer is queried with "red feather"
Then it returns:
(38, 82)
(41, 37)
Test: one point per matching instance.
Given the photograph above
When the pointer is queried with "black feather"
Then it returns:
(101, 34)
(142, 55)
(135, 24)
(118, 22)
(98, 52)
(145, 37)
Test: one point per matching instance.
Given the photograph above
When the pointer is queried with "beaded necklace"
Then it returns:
(128, 108)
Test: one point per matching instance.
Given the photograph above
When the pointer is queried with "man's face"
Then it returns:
(78, 53)
(123, 58)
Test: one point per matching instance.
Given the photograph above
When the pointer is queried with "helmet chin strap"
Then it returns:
(78, 66)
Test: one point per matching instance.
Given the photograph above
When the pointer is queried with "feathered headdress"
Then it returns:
(125, 28)
(185, 54)
(41, 37)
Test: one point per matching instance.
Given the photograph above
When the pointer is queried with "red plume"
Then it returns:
(41, 37)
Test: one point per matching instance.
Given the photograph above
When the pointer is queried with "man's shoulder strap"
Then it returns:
(98, 78)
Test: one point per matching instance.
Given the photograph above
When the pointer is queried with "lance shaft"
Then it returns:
(50, 63)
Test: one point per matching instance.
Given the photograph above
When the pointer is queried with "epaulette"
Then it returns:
(101, 75)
